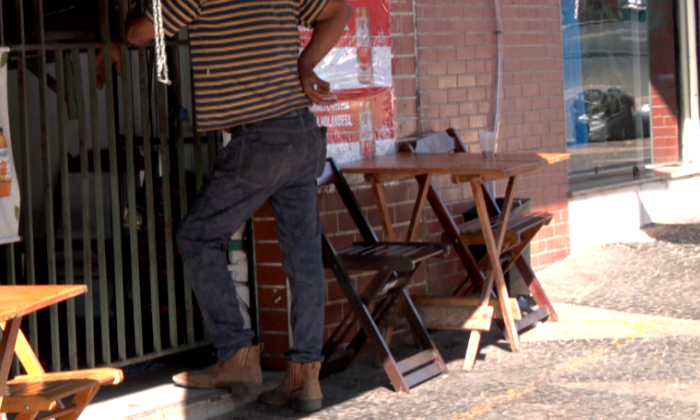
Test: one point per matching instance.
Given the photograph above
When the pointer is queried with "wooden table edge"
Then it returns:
(553, 158)
(68, 291)
(8, 315)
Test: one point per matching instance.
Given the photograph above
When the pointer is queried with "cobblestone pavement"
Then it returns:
(627, 346)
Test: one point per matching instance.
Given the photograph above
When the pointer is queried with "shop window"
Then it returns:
(607, 90)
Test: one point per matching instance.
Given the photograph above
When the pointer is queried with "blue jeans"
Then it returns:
(278, 159)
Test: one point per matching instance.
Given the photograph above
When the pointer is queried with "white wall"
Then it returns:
(617, 215)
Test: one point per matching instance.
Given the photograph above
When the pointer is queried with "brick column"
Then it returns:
(662, 68)
(272, 290)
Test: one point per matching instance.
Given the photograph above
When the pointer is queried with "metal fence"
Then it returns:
(106, 176)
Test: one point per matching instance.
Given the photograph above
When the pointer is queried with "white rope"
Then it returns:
(161, 57)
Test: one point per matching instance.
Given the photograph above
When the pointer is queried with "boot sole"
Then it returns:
(247, 385)
(273, 403)
(307, 406)
(302, 406)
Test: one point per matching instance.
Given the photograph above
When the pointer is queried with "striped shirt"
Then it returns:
(244, 56)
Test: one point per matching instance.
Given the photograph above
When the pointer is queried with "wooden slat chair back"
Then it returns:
(38, 391)
(394, 264)
(521, 229)
(443, 142)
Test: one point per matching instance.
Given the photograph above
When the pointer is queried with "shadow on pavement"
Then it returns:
(341, 390)
(143, 376)
(675, 233)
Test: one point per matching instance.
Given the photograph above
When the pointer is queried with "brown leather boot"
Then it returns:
(300, 388)
(243, 368)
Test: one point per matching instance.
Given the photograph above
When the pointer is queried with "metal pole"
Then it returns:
(688, 92)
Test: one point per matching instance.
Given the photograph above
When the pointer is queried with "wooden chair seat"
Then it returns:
(103, 376)
(400, 257)
(26, 396)
(40, 391)
(26, 356)
(518, 226)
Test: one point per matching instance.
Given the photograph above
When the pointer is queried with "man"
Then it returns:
(249, 79)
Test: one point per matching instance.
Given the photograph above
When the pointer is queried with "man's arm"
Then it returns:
(176, 15)
(328, 26)
(139, 30)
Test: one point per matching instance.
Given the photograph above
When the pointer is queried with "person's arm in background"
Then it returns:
(140, 30)
(328, 27)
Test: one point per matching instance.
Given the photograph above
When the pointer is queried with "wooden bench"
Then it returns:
(30, 363)
(29, 396)
(39, 391)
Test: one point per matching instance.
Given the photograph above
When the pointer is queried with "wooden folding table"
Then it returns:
(478, 170)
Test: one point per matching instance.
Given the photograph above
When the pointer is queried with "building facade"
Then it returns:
(568, 84)
(612, 82)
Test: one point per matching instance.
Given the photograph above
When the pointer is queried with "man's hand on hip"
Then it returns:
(317, 89)
(328, 28)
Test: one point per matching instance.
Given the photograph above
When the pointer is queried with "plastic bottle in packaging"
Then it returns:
(363, 33)
(367, 139)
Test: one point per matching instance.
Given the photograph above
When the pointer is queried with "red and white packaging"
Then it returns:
(361, 124)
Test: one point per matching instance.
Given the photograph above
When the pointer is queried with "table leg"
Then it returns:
(378, 188)
(423, 186)
(383, 208)
(26, 356)
(475, 336)
(80, 402)
(10, 330)
(447, 222)
(494, 244)
(538, 293)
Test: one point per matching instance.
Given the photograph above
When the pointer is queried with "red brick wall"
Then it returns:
(533, 114)
(272, 290)
(457, 56)
(450, 83)
(662, 66)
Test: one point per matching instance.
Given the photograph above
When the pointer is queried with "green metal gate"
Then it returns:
(106, 176)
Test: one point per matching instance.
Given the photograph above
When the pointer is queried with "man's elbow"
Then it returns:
(347, 10)
(337, 10)
(140, 31)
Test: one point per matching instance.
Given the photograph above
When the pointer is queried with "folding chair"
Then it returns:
(104, 376)
(38, 391)
(394, 264)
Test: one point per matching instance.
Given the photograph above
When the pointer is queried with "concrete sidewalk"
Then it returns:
(626, 347)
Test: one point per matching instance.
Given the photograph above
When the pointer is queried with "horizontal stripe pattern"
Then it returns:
(244, 56)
